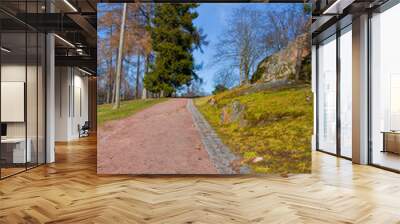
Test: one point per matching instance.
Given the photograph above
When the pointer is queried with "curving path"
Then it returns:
(162, 139)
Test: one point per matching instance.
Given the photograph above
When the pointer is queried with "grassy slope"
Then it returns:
(279, 128)
(106, 113)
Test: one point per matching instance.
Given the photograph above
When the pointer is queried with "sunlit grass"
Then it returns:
(106, 113)
(278, 128)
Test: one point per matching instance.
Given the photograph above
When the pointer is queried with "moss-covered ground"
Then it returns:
(276, 125)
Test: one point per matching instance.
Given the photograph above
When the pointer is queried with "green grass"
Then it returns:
(278, 127)
(106, 113)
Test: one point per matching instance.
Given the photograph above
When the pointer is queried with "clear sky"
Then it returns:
(212, 19)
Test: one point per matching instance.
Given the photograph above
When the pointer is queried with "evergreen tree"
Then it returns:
(174, 37)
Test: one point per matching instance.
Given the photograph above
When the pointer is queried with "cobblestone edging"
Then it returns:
(218, 152)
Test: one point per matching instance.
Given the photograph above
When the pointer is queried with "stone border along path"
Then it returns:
(218, 152)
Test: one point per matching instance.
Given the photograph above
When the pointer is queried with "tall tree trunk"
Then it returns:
(124, 83)
(147, 57)
(146, 70)
(108, 95)
(298, 59)
(110, 82)
(246, 72)
(113, 92)
(241, 71)
(113, 83)
(110, 74)
(137, 77)
(119, 60)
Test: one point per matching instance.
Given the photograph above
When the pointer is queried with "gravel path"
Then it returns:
(162, 139)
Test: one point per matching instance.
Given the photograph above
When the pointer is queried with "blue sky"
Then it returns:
(212, 19)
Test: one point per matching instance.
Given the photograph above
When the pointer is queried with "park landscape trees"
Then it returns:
(156, 53)
(135, 53)
(268, 128)
(254, 34)
(174, 37)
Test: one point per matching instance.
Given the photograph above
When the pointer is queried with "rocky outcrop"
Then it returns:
(282, 65)
(233, 112)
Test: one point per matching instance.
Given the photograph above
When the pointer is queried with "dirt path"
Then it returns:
(162, 139)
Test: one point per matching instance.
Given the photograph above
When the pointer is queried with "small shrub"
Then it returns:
(219, 89)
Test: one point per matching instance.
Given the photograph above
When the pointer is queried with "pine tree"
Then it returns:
(174, 37)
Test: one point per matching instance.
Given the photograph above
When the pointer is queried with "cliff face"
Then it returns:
(282, 65)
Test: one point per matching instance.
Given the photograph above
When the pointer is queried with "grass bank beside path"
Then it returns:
(106, 113)
(274, 130)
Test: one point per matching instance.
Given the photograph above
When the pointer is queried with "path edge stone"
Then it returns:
(218, 152)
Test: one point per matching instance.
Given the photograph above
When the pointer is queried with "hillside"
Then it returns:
(271, 129)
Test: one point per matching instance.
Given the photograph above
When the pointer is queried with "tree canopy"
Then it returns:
(173, 38)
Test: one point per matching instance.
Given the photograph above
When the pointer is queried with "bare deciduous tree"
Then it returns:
(253, 34)
(284, 26)
(241, 44)
(225, 77)
(137, 44)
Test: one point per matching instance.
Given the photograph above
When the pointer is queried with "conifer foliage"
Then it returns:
(174, 38)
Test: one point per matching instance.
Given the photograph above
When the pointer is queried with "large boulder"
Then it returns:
(233, 112)
(282, 65)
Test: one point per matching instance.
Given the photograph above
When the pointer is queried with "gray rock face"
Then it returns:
(232, 112)
(237, 110)
(282, 65)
